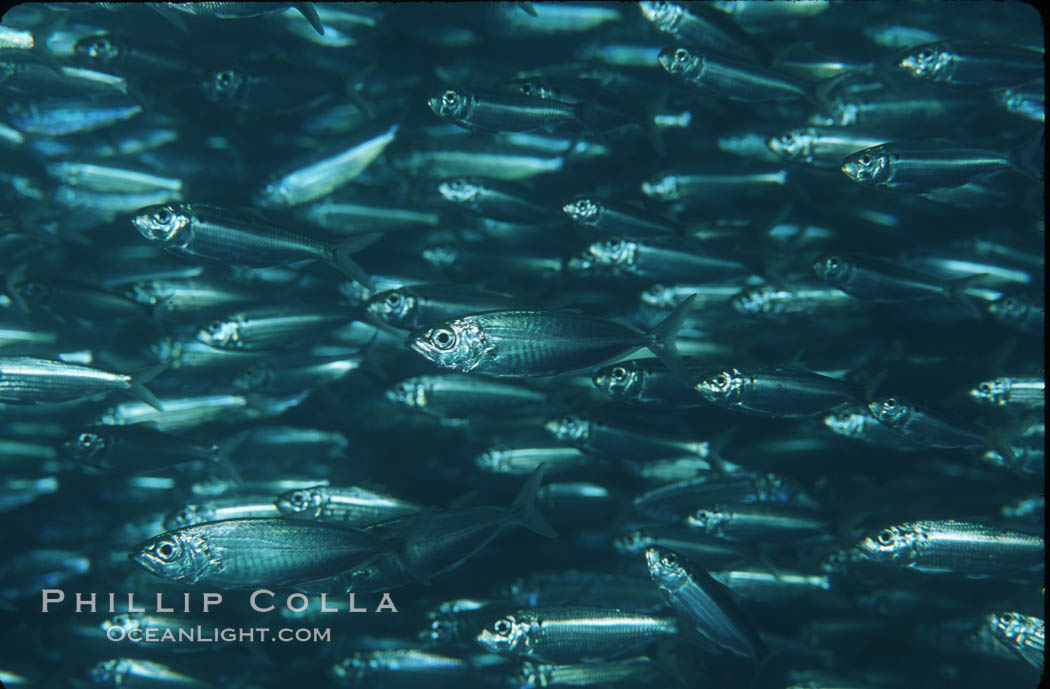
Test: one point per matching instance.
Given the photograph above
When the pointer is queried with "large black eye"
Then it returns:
(393, 300)
(166, 551)
(669, 560)
(681, 55)
(298, 499)
(449, 98)
(889, 404)
(886, 537)
(925, 54)
(87, 440)
(865, 159)
(1007, 618)
(619, 373)
(162, 217)
(833, 264)
(502, 628)
(444, 339)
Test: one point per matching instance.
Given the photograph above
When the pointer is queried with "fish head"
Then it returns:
(631, 542)
(794, 144)
(723, 387)
(124, 620)
(682, 62)
(1008, 310)
(299, 501)
(110, 673)
(222, 334)
(461, 190)
(394, 307)
(891, 544)
(168, 224)
(355, 668)
(506, 635)
(442, 256)
(494, 460)
(99, 50)
(928, 61)
(569, 428)
(709, 521)
(662, 15)
(223, 86)
(666, 567)
(834, 270)
(661, 188)
(614, 252)
(256, 378)
(412, 392)
(1010, 625)
(891, 411)
(584, 211)
(451, 104)
(458, 345)
(89, 447)
(756, 301)
(994, 392)
(846, 422)
(871, 166)
(187, 516)
(621, 381)
(176, 555)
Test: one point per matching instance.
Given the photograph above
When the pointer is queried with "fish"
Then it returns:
(1020, 633)
(31, 380)
(250, 553)
(574, 634)
(411, 307)
(925, 166)
(497, 112)
(954, 548)
(213, 234)
(706, 603)
(788, 392)
(346, 505)
(539, 343)
(969, 63)
(1010, 391)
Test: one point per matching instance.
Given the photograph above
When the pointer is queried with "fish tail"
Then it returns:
(1028, 159)
(523, 509)
(308, 10)
(662, 337)
(955, 290)
(340, 258)
(138, 386)
(823, 88)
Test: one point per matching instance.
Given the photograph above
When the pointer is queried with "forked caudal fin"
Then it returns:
(340, 258)
(662, 337)
(523, 509)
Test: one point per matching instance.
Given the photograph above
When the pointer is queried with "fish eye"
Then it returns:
(162, 217)
(669, 560)
(865, 159)
(502, 628)
(297, 498)
(619, 373)
(1007, 618)
(87, 440)
(681, 55)
(393, 300)
(166, 550)
(223, 79)
(444, 338)
(889, 403)
(449, 98)
(886, 537)
(925, 54)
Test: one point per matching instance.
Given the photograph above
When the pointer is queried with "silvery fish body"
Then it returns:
(951, 547)
(255, 552)
(574, 634)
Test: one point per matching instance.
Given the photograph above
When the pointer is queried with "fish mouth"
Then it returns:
(851, 170)
(434, 102)
(416, 345)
